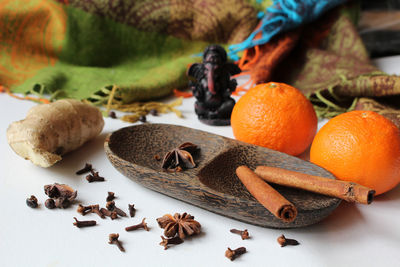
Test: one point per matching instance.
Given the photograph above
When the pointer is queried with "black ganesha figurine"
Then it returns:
(213, 86)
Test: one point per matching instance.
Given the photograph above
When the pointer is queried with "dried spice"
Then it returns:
(244, 234)
(60, 190)
(50, 203)
(283, 241)
(112, 214)
(110, 196)
(170, 241)
(113, 239)
(112, 115)
(142, 109)
(94, 177)
(81, 224)
(153, 112)
(32, 202)
(142, 118)
(141, 225)
(183, 225)
(87, 168)
(233, 254)
(132, 210)
(62, 202)
(180, 157)
(62, 195)
(111, 207)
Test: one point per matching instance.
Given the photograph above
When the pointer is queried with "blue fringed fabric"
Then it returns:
(282, 16)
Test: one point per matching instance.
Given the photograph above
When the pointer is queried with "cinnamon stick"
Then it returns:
(271, 199)
(348, 191)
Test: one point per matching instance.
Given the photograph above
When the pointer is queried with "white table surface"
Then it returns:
(353, 235)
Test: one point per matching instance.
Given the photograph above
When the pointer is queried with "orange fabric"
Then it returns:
(259, 62)
(178, 93)
(33, 41)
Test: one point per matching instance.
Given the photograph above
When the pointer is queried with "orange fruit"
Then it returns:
(277, 116)
(362, 147)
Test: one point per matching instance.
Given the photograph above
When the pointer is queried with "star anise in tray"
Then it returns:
(180, 158)
(183, 225)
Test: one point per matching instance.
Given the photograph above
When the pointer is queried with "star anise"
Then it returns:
(183, 225)
(180, 157)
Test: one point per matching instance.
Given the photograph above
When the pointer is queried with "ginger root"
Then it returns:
(51, 130)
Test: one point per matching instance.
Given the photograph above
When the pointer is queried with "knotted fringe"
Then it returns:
(107, 97)
(39, 99)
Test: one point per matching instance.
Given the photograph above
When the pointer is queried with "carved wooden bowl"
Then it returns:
(213, 184)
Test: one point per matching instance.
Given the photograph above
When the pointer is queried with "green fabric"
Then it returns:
(81, 48)
(144, 65)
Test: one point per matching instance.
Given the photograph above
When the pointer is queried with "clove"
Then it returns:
(112, 115)
(283, 241)
(138, 226)
(170, 241)
(113, 239)
(83, 210)
(81, 224)
(233, 254)
(132, 210)
(111, 206)
(96, 209)
(49, 203)
(110, 196)
(142, 118)
(94, 177)
(87, 168)
(112, 214)
(153, 112)
(244, 234)
(32, 202)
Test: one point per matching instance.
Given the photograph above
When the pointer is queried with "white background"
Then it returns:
(353, 235)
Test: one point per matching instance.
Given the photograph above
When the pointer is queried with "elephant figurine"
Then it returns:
(213, 86)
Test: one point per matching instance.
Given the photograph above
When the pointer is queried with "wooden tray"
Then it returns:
(213, 184)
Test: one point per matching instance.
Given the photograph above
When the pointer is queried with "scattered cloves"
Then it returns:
(81, 224)
(132, 210)
(138, 226)
(88, 167)
(83, 210)
(96, 209)
(94, 177)
(170, 241)
(283, 241)
(32, 202)
(113, 239)
(110, 196)
(233, 254)
(49, 203)
(111, 206)
(244, 234)
(112, 214)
